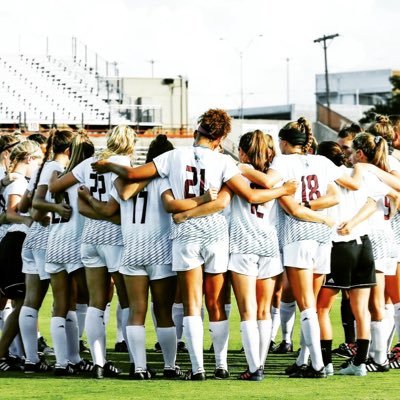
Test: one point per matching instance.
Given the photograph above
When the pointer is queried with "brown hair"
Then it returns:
(374, 148)
(214, 124)
(158, 146)
(350, 131)
(255, 146)
(332, 151)
(382, 127)
(298, 133)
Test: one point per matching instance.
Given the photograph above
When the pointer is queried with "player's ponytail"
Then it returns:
(254, 145)
(298, 133)
(374, 148)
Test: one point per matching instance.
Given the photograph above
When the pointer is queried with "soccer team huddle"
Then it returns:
(280, 228)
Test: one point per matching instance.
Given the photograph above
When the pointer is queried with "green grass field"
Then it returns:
(275, 385)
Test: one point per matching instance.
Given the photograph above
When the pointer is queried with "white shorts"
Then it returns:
(386, 265)
(33, 262)
(154, 272)
(55, 268)
(102, 255)
(254, 265)
(187, 256)
(308, 254)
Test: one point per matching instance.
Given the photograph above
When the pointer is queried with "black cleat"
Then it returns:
(291, 369)
(157, 347)
(257, 375)
(283, 348)
(174, 373)
(40, 366)
(372, 366)
(44, 348)
(221, 373)
(121, 347)
(181, 347)
(83, 348)
(309, 372)
(69, 370)
(190, 376)
(84, 366)
(10, 363)
(346, 350)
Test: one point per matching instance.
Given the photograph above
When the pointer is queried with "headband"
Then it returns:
(205, 132)
(293, 136)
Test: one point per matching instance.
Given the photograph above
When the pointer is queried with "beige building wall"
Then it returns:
(170, 94)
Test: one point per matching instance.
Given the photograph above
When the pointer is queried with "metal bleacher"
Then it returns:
(46, 89)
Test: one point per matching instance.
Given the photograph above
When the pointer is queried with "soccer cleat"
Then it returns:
(83, 348)
(272, 346)
(291, 369)
(172, 373)
(141, 375)
(356, 370)
(121, 347)
(396, 348)
(40, 366)
(98, 372)
(181, 347)
(257, 375)
(110, 370)
(11, 364)
(309, 372)
(283, 348)
(372, 366)
(190, 376)
(157, 348)
(84, 366)
(329, 369)
(44, 348)
(221, 373)
(394, 364)
(346, 350)
(68, 370)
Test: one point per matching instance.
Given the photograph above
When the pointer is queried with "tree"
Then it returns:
(392, 106)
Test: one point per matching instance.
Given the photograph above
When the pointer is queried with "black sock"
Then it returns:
(362, 351)
(347, 320)
(326, 348)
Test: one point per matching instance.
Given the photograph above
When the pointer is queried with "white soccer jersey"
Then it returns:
(17, 187)
(38, 235)
(145, 226)
(394, 164)
(192, 171)
(66, 234)
(3, 228)
(314, 173)
(100, 185)
(252, 227)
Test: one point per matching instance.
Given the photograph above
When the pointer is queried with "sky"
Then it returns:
(203, 39)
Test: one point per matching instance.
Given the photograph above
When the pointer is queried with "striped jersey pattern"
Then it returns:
(395, 221)
(37, 237)
(383, 244)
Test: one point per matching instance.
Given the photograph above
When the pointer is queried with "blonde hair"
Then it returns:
(81, 149)
(382, 127)
(375, 149)
(22, 150)
(120, 140)
(254, 145)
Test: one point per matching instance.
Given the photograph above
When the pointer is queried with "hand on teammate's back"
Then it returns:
(101, 166)
(290, 187)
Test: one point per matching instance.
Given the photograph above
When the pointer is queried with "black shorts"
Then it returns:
(352, 265)
(12, 279)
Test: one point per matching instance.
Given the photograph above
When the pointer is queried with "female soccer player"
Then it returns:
(198, 241)
(24, 160)
(102, 244)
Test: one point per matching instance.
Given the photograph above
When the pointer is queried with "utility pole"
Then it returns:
(324, 39)
(152, 62)
(287, 81)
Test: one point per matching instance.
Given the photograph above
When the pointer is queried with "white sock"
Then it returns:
(136, 335)
(81, 310)
(124, 323)
(390, 325)
(27, 326)
(288, 316)
(193, 331)
(312, 335)
(251, 344)
(72, 333)
(378, 339)
(16, 347)
(167, 339)
(153, 316)
(265, 330)
(220, 335)
(120, 335)
(107, 314)
(304, 353)
(177, 317)
(59, 338)
(276, 322)
(96, 334)
(228, 308)
(397, 320)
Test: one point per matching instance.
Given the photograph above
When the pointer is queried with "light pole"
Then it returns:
(324, 39)
(241, 54)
